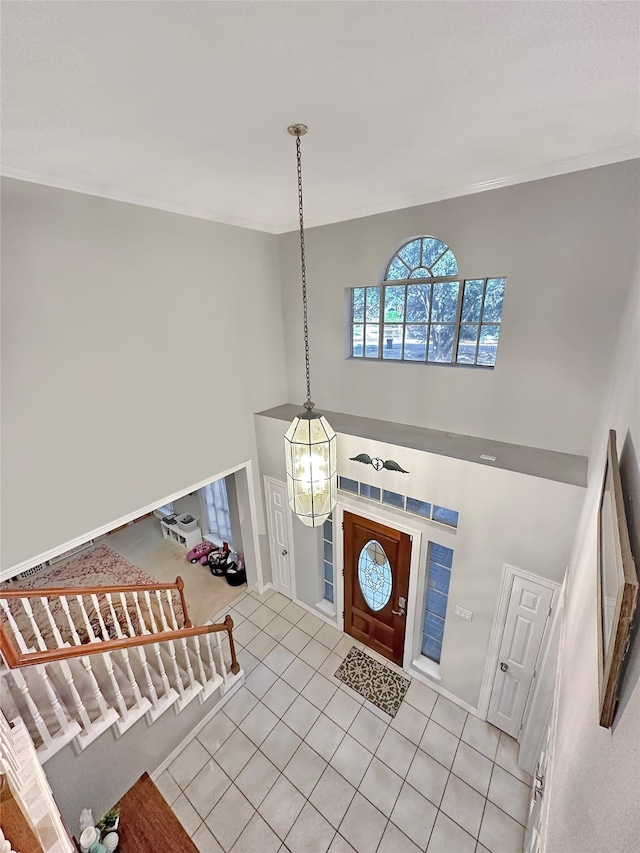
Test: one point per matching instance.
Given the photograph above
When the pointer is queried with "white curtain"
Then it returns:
(216, 506)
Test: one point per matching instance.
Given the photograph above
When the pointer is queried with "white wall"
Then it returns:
(591, 800)
(567, 245)
(505, 517)
(136, 345)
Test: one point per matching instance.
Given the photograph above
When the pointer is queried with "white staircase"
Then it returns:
(77, 662)
(20, 766)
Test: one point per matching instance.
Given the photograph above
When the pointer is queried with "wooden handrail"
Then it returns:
(16, 659)
(89, 590)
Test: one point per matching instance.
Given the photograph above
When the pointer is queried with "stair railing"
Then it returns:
(18, 651)
(70, 671)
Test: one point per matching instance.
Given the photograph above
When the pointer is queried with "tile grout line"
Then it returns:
(279, 676)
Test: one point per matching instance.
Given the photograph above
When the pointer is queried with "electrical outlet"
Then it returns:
(464, 614)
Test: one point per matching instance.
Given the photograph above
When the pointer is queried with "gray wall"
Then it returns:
(136, 344)
(505, 517)
(101, 774)
(567, 245)
(591, 799)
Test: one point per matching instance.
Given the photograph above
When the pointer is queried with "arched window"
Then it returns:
(423, 312)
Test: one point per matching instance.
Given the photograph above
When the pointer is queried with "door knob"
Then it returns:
(504, 667)
(402, 604)
(284, 552)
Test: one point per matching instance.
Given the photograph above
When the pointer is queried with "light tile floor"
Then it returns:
(296, 761)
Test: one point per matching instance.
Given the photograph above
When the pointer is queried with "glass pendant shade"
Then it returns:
(312, 479)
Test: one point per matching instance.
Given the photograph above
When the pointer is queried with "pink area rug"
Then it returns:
(99, 567)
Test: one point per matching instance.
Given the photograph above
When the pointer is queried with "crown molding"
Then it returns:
(132, 198)
(549, 170)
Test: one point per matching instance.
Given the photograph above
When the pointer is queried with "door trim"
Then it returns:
(271, 481)
(497, 631)
(375, 512)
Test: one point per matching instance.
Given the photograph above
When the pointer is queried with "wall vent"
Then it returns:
(32, 571)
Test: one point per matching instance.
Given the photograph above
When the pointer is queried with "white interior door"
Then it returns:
(527, 614)
(279, 521)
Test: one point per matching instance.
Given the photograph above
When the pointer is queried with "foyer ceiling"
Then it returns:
(184, 105)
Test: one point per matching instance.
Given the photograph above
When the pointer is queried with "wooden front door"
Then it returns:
(376, 585)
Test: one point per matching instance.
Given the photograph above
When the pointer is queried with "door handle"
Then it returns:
(402, 604)
(284, 552)
(504, 667)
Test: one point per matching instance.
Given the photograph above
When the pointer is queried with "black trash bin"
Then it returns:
(236, 575)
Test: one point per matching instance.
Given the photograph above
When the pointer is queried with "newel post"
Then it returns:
(180, 586)
(235, 666)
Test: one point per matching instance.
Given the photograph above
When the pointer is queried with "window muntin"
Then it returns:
(438, 319)
(327, 553)
(436, 599)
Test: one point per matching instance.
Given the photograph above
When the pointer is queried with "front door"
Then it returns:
(524, 626)
(376, 585)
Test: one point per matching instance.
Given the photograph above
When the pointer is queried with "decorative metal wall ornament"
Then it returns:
(378, 463)
(310, 442)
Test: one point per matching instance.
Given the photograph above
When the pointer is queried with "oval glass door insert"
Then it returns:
(374, 575)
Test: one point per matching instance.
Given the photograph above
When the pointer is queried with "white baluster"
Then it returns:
(153, 694)
(156, 646)
(40, 725)
(127, 616)
(171, 645)
(95, 687)
(108, 662)
(52, 622)
(212, 663)
(17, 633)
(142, 625)
(56, 707)
(66, 670)
(202, 673)
(72, 624)
(174, 621)
(125, 654)
(87, 622)
(96, 607)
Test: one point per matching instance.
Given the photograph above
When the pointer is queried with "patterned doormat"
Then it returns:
(373, 680)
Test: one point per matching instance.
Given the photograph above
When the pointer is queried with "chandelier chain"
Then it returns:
(303, 267)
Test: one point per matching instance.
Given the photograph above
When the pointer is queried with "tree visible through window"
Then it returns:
(424, 312)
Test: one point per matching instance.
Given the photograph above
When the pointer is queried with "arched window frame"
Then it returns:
(439, 317)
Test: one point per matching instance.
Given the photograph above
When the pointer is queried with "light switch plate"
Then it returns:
(464, 614)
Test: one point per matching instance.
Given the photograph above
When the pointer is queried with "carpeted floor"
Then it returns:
(142, 544)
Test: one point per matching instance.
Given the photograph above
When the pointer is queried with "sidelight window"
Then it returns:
(440, 561)
(327, 554)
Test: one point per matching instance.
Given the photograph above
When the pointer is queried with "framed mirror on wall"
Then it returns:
(617, 585)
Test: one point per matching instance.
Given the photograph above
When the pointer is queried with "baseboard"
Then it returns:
(318, 613)
(194, 733)
(423, 679)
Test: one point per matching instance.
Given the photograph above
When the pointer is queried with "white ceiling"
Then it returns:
(184, 105)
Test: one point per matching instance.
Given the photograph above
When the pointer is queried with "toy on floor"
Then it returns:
(200, 553)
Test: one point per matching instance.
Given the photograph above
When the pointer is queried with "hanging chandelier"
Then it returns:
(310, 443)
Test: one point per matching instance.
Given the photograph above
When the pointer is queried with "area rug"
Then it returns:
(99, 567)
(373, 680)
